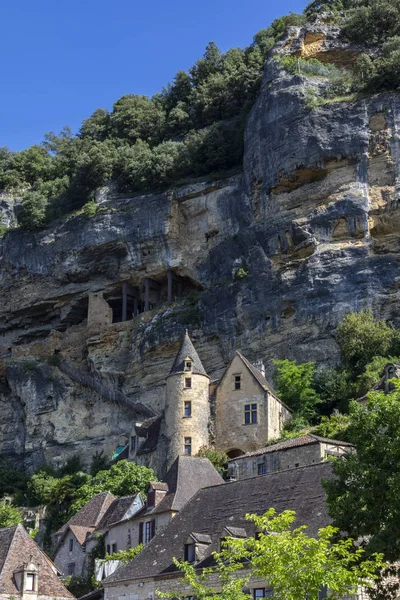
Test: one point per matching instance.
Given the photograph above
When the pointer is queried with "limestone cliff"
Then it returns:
(267, 261)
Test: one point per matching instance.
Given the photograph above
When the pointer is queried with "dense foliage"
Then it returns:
(9, 516)
(363, 497)
(316, 397)
(295, 565)
(218, 458)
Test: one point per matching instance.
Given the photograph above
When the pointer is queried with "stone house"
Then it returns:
(25, 570)
(212, 514)
(163, 501)
(70, 540)
(248, 412)
(305, 450)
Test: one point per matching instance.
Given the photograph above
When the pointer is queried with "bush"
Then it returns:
(216, 457)
(9, 516)
(33, 212)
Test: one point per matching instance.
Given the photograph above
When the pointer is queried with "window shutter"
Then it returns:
(140, 533)
(153, 528)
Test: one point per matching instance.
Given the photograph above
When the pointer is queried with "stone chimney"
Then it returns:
(155, 493)
(259, 365)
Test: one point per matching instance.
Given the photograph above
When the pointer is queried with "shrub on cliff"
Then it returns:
(9, 516)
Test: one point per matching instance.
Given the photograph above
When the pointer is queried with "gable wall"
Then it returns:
(64, 557)
(230, 431)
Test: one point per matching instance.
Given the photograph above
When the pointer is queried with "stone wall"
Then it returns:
(64, 557)
(231, 432)
(177, 426)
(290, 458)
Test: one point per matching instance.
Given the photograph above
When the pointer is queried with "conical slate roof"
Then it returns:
(187, 350)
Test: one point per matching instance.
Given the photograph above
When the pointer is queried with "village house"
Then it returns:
(164, 500)
(304, 450)
(248, 412)
(25, 570)
(70, 540)
(212, 514)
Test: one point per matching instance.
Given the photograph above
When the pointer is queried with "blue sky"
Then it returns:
(62, 59)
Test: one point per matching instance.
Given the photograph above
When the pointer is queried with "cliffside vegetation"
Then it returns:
(323, 397)
(193, 127)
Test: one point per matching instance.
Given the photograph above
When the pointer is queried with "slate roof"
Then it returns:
(16, 548)
(149, 429)
(187, 349)
(91, 514)
(81, 532)
(303, 440)
(116, 511)
(186, 476)
(214, 508)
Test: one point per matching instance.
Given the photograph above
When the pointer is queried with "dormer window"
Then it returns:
(27, 578)
(30, 582)
(190, 553)
(188, 365)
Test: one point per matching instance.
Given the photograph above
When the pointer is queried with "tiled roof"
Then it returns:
(303, 440)
(187, 350)
(186, 476)
(116, 511)
(214, 508)
(81, 532)
(91, 514)
(16, 548)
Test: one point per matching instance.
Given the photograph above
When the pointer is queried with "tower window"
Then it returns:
(188, 446)
(238, 382)
(133, 443)
(188, 382)
(250, 414)
(188, 409)
(188, 365)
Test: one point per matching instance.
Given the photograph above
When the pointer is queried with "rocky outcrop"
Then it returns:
(268, 262)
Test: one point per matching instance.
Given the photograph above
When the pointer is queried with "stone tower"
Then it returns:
(187, 404)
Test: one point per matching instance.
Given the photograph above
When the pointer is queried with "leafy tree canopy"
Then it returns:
(295, 565)
(9, 516)
(363, 498)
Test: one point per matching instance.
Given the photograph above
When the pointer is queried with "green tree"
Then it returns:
(361, 337)
(97, 126)
(136, 118)
(216, 457)
(123, 479)
(33, 211)
(294, 564)
(296, 386)
(363, 497)
(9, 516)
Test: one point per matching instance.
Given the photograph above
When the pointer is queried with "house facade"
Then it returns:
(305, 450)
(70, 540)
(212, 514)
(248, 410)
(26, 572)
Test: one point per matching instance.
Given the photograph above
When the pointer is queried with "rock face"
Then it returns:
(269, 261)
